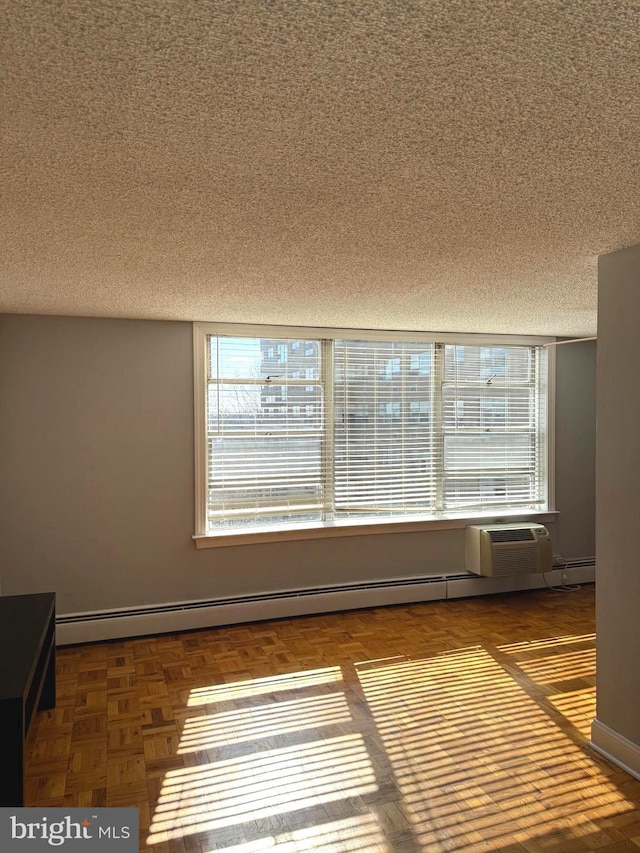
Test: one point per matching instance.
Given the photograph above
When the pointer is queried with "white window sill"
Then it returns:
(355, 527)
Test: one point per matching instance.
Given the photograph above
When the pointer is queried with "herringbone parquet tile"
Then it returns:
(443, 726)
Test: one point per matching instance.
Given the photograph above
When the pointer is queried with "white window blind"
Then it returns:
(493, 422)
(314, 430)
(387, 453)
(266, 432)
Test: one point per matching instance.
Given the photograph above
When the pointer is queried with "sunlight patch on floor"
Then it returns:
(359, 834)
(476, 759)
(262, 686)
(260, 785)
(246, 724)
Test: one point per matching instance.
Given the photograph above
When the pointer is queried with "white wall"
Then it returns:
(96, 453)
(617, 729)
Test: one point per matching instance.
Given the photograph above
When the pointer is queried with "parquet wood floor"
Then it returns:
(444, 726)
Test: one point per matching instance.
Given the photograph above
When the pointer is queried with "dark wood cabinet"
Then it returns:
(27, 680)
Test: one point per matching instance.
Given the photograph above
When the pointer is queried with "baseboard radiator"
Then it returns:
(74, 628)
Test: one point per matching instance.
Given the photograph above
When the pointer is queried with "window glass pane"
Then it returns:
(262, 472)
(267, 517)
(493, 365)
(384, 452)
(420, 362)
(461, 492)
(258, 358)
(391, 366)
(212, 357)
(420, 411)
(265, 420)
(264, 407)
(488, 408)
(485, 452)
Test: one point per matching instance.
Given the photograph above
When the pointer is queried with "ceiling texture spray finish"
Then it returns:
(432, 164)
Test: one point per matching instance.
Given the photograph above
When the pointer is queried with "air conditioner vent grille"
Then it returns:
(524, 534)
(515, 562)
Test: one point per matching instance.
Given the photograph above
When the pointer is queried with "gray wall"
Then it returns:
(96, 476)
(618, 493)
(575, 449)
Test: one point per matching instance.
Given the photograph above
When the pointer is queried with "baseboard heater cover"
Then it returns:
(95, 626)
(578, 571)
(184, 616)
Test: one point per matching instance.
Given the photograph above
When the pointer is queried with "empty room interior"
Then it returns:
(318, 434)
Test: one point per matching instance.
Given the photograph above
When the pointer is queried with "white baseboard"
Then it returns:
(468, 586)
(186, 616)
(615, 748)
(189, 615)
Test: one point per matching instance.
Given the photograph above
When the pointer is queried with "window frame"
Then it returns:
(351, 527)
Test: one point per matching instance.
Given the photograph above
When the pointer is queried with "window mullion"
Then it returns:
(328, 444)
(404, 414)
(539, 422)
(437, 429)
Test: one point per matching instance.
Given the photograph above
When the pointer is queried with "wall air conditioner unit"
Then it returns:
(503, 550)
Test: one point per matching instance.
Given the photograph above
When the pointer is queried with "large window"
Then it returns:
(299, 429)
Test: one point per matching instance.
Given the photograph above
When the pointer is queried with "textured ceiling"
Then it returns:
(426, 164)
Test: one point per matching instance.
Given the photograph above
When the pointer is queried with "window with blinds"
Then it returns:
(302, 430)
(493, 427)
(266, 431)
(387, 453)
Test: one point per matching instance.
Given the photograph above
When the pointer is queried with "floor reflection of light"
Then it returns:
(276, 781)
(547, 642)
(564, 667)
(244, 724)
(476, 759)
(481, 745)
(578, 707)
(358, 834)
(260, 686)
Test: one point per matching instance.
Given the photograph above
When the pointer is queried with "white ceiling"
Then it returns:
(451, 165)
